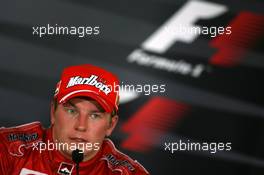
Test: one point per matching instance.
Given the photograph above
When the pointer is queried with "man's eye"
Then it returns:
(71, 111)
(95, 116)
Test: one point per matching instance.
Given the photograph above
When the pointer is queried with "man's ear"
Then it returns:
(112, 125)
(52, 113)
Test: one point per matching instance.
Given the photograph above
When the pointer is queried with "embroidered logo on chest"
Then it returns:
(65, 168)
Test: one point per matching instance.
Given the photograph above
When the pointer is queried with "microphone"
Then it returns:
(77, 157)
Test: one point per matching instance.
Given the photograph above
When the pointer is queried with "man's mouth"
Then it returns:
(77, 139)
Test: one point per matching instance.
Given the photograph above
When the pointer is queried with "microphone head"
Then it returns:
(77, 156)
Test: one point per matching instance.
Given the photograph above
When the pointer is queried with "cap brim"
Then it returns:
(88, 93)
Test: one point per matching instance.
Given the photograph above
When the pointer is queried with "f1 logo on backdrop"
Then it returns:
(161, 40)
(230, 49)
(150, 121)
(156, 117)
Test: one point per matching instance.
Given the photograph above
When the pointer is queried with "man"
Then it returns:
(83, 113)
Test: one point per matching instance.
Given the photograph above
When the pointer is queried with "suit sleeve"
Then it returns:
(142, 172)
(5, 162)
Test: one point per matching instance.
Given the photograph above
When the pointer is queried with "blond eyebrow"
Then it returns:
(99, 110)
(70, 103)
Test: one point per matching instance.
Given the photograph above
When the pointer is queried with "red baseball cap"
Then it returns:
(89, 81)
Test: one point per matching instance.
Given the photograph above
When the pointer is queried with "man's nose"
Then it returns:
(81, 123)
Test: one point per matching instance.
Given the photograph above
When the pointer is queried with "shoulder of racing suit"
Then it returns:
(118, 161)
(15, 139)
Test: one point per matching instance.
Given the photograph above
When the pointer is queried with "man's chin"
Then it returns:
(89, 155)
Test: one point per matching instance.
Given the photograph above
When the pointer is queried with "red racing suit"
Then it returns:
(20, 156)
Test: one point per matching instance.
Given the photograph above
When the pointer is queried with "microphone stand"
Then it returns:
(77, 157)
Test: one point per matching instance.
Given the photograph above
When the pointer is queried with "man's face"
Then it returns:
(80, 121)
